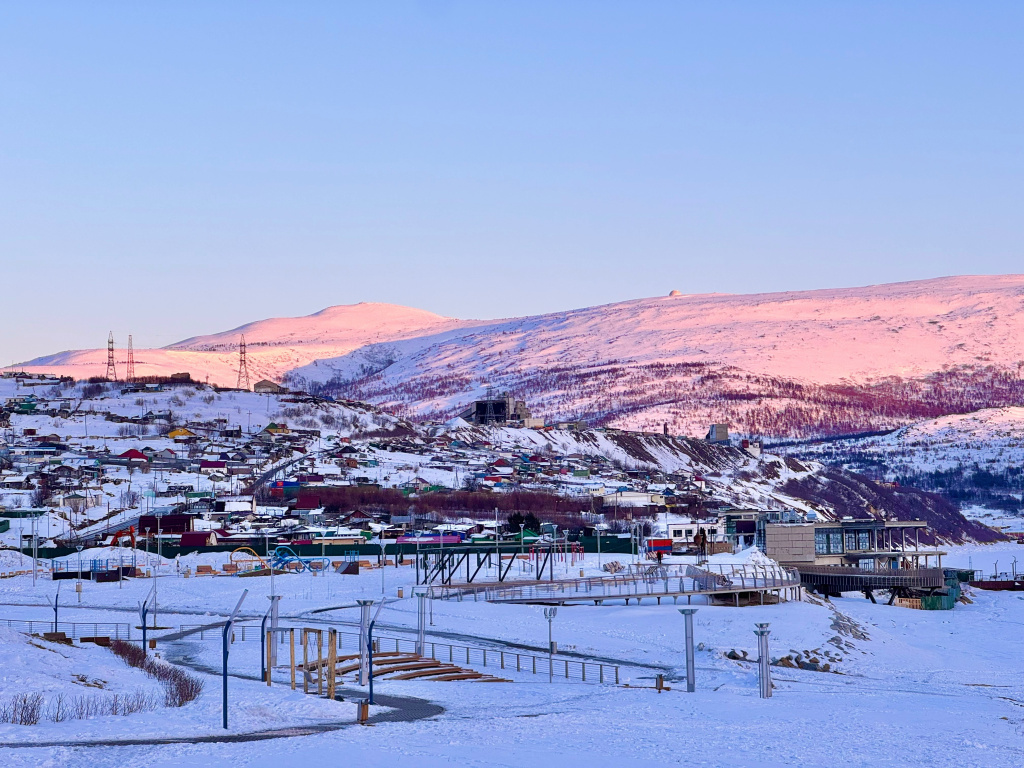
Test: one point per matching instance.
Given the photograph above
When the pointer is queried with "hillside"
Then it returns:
(273, 346)
(793, 364)
(734, 479)
(797, 363)
(972, 458)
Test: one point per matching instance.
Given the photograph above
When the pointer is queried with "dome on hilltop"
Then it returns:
(674, 293)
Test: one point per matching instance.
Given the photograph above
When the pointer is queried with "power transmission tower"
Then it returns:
(130, 375)
(111, 369)
(243, 369)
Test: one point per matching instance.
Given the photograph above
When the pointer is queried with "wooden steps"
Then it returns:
(396, 665)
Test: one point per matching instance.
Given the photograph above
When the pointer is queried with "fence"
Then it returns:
(583, 670)
(72, 629)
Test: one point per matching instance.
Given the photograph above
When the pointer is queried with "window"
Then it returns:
(835, 542)
(851, 541)
(821, 542)
(865, 541)
(828, 541)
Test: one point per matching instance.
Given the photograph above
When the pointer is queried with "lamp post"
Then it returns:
(497, 547)
(763, 661)
(549, 613)
(440, 538)
(224, 647)
(598, 530)
(364, 623)
(419, 534)
(78, 587)
(271, 616)
(35, 550)
(421, 621)
(56, 604)
(143, 610)
(691, 683)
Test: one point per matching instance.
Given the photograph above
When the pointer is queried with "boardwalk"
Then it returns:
(651, 583)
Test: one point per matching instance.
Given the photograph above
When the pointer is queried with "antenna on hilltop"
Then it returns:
(111, 368)
(130, 375)
(243, 369)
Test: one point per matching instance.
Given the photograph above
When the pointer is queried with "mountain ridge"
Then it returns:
(778, 364)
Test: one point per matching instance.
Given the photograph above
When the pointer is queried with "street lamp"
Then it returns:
(764, 670)
(549, 613)
(691, 683)
(78, 587)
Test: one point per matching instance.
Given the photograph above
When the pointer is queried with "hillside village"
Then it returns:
(181, 464)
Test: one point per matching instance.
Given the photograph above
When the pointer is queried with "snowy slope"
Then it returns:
(827, 336)
(273, 346)
(975, 457)
(795, 363)
(813, 362)
(733, 478)
(992, 438)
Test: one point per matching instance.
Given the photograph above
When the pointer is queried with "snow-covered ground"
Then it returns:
(920, 687)
(990, 439)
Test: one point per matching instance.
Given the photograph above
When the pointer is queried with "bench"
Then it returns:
(230, 568)
(205, 570)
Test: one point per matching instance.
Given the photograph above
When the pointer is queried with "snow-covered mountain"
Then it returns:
(782, 364)
(810, 362)
(975, 457)
(273, 346)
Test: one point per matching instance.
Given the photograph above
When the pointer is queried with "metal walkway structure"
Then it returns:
(443, 564)
(833, 580)
(642, 582)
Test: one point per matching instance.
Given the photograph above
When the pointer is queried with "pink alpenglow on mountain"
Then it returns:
(801, 362)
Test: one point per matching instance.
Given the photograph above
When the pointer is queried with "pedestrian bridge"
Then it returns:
(640, 583)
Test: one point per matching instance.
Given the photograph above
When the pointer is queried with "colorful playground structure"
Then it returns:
(285, 559)
(245, 562)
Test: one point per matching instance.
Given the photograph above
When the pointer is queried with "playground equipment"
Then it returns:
(286, 559)
(245, 560)
(128, 533)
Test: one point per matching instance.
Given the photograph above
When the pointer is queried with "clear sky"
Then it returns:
(170, 169)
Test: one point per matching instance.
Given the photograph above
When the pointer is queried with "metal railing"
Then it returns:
(73, 630)
(652, 581)
(562, 667)
(853, 579)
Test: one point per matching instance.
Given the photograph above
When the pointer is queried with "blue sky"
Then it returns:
(181, 168)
